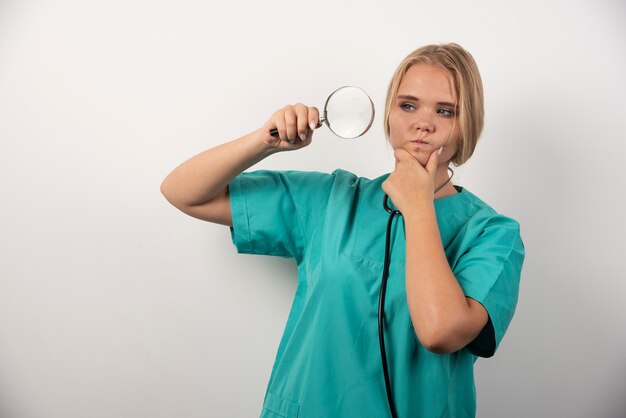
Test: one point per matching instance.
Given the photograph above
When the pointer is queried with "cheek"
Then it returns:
(392, 120)
(397, 121)
(453, 134)
(453, 146)
(392, 125)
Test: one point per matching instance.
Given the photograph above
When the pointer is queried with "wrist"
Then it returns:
(262, 142)
(418, 212)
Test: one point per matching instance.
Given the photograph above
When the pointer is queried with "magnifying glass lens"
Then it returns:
(349, 112)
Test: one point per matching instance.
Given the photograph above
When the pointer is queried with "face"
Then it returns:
(422, 116)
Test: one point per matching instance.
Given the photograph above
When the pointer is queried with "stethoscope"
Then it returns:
(381, 305)
(381, 298)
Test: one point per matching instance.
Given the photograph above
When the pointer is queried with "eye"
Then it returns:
(407, 107)
(448, 113)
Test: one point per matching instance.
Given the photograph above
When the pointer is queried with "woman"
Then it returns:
(455, 263)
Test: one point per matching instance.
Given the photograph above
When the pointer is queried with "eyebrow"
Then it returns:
(408, 97)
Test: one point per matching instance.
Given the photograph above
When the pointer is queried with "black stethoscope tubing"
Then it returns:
(381, 299)
(381, 307)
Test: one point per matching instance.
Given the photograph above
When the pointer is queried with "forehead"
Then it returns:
(427, 82)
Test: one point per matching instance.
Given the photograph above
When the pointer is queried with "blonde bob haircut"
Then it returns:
(467, 91)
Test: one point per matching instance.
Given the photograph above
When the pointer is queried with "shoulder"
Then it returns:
(348, 177)
(498, 233)
(483, 212)
(478, 221)
(313, 186)
(287, 178)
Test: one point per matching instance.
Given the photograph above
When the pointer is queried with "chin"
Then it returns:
(420, 156)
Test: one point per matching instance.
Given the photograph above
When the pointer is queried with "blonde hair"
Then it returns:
(468, 91)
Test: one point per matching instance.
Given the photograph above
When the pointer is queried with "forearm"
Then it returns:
(435, 298)
(202, 177)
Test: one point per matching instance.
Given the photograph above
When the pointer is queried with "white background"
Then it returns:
(115, 304)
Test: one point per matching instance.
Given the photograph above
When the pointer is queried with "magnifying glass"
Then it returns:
(348, 113)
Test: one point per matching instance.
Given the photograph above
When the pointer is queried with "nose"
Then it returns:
(424, 126)
(423, 121)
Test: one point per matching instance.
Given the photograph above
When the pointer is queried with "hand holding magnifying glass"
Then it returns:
(348, 113)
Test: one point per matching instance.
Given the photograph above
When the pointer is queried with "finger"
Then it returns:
(291, 129)
(314, 117)
(279, 122)
(302, 120)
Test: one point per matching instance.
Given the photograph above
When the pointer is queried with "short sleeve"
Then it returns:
(274, 212)
(489, 272)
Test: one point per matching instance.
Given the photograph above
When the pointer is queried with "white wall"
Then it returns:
(114, 304)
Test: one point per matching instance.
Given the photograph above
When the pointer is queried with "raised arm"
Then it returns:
(199, 186)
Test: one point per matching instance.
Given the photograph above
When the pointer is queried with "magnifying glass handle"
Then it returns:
(274, 132)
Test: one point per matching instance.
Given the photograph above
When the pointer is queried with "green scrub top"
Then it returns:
(328, 362)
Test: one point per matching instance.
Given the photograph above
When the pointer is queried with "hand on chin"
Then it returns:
(421, 155)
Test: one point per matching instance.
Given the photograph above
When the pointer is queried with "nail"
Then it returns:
(312, 125)
(440, 151)
(302, 137)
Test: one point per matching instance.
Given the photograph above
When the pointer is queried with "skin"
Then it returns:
(443, 318)
(199, 186)
(422, 118)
